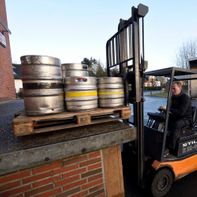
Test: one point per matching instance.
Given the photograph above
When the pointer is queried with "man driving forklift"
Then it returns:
(180, 114)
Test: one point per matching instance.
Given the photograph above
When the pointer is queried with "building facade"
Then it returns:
(7, 88)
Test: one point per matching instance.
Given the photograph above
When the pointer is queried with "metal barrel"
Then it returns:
(81, 93)
(111, 102)
(42, 105)
(81, 83)
(74, 70)
(40, 67)
(81, 105)
(110, 80)
(110, 92)
(43, 97)
(74, 66)
(42, 85)
(39, 59)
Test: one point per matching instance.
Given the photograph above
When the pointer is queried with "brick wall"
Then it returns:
(76, 176)
(7, 89)
(82, 175)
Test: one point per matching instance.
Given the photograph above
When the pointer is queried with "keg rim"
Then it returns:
(80, 80)
(38, 59)
(89, 77)
(80, 66)
(109, 80)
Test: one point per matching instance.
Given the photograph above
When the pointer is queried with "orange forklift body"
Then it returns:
(180, 167)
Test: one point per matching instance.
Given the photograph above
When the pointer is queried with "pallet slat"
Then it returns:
(26, 125)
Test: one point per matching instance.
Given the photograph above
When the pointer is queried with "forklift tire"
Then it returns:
(162, 182)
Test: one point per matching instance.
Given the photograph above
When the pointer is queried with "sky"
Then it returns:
(73, 30)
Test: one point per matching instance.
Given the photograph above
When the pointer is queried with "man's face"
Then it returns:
(176, 89)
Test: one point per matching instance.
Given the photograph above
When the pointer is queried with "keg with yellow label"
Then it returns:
(110, 92)
(80, 93)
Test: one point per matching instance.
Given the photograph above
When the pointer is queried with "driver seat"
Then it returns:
(194, 117)
(193, 127)
(189, 134)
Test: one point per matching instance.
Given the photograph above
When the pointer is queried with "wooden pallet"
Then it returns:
(27, 125)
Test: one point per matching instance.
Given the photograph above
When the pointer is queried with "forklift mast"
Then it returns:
(125, 58)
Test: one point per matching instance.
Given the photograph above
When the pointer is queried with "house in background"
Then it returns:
(17, 78)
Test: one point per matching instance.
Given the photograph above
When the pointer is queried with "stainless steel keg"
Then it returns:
(81, 105)
(40, 67)
(42, 105)
(42, 85)
(115, 102)
(39, 59)
(81, 93)
(43, 97)
(110, 92)
(74, 70)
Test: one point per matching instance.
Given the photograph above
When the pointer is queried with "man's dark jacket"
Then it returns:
(181, 107)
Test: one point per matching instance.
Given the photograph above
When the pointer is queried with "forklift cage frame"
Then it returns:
(175, 74)
(125, 50)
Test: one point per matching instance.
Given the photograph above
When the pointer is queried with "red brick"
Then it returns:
(75, 184)
(15, 176)
(57, 171)
(96, 188)
(65, 169)
(94, 166)
(94, 154)
(19, 195)
(57, 178)
(76, 159)
(9, 185)
(69, 168)
(68, 180)
(39, 190)
(93, 183)
(68, 193)
(42, 182)
(47, 167)
(97, 193)
(37, 177)
(97, 176)
(50, 193)
(16, 191)
(90, 173)
(91, 161)
(71, 173)
(80, 194)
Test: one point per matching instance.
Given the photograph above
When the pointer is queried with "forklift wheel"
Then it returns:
(162, 182)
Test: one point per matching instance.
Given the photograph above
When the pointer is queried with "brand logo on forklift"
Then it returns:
(193, 142)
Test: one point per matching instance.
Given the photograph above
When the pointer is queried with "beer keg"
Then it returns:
(110, 92)
(43, 97)
(80, 93)
(42, 85)
(43, 104)
(74, 70)
(40, 67)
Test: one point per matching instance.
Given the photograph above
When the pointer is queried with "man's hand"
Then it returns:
(162, 108)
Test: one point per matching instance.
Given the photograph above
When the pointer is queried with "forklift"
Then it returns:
(183, 161)
(126, 58)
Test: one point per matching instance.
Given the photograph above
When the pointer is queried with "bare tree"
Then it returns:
(96, 68)
(186, 51)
